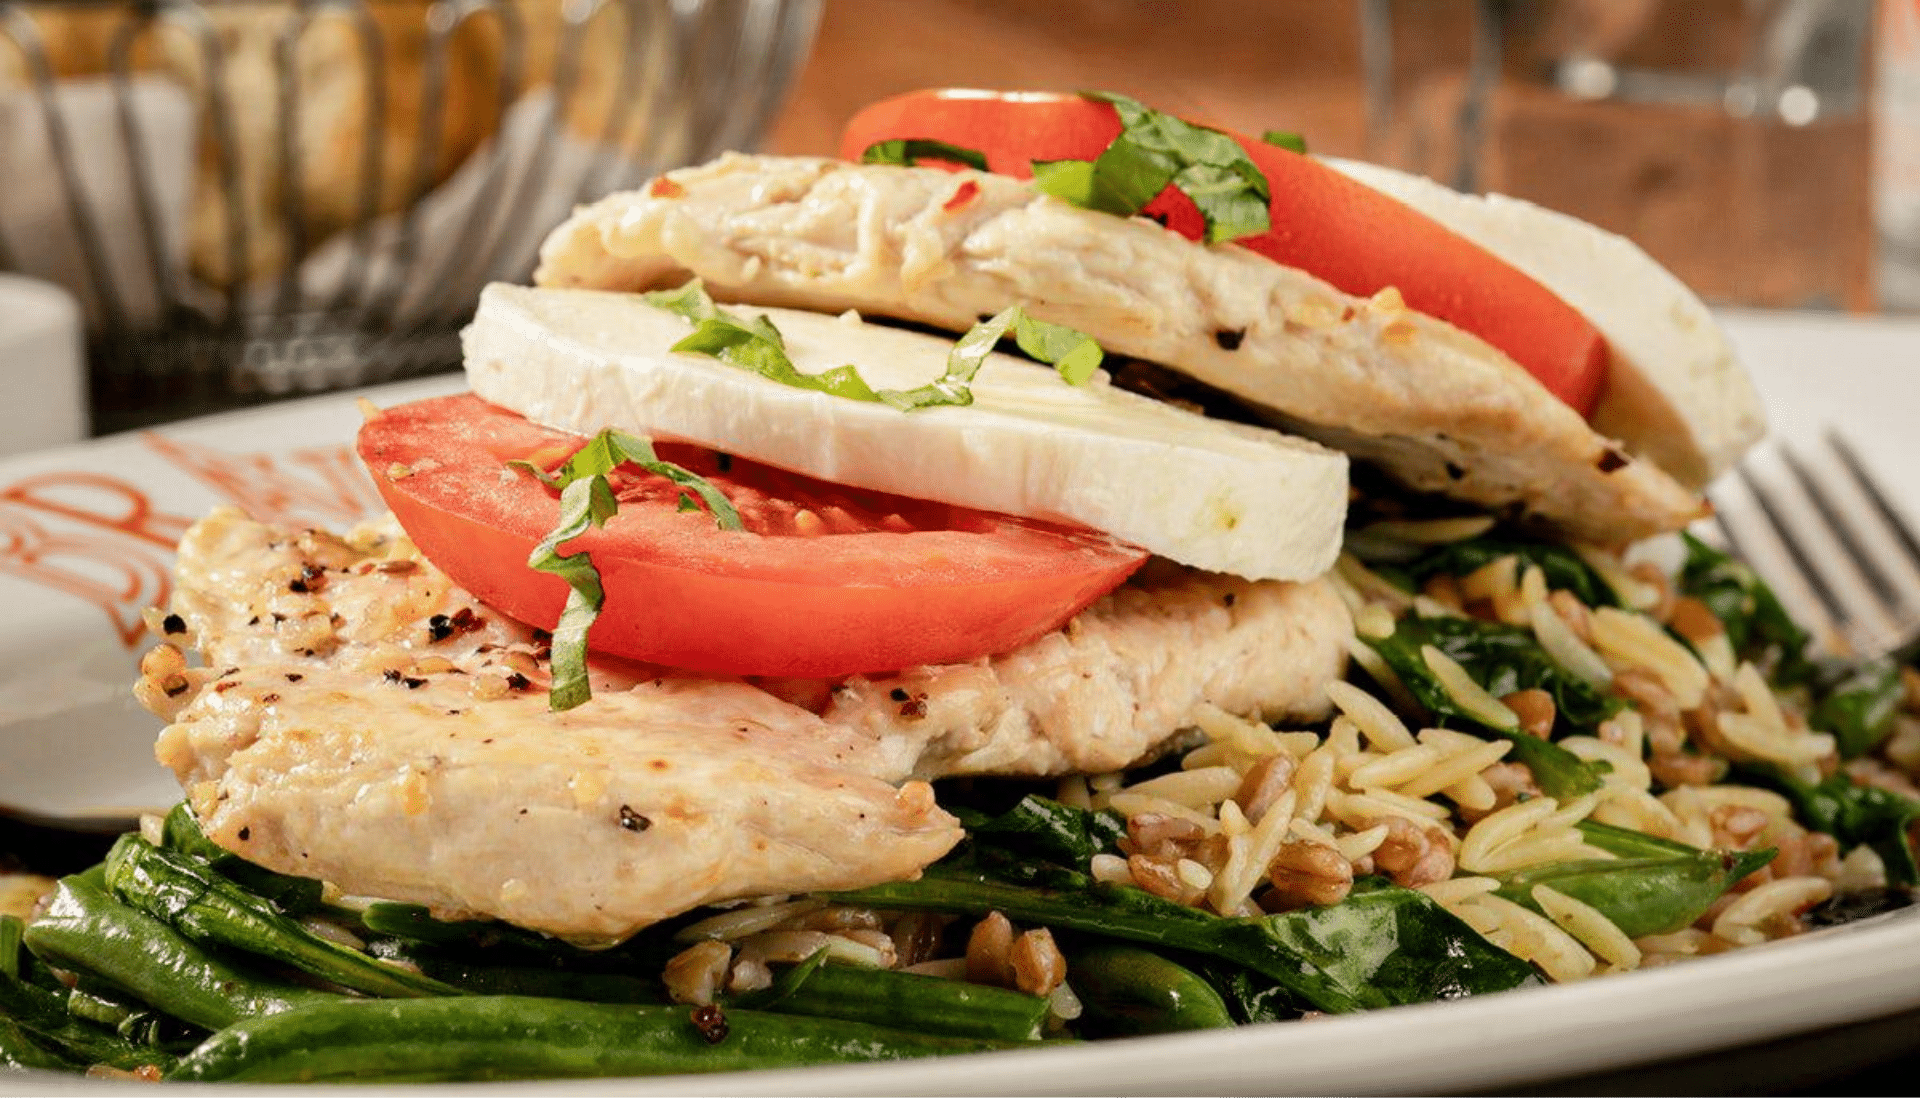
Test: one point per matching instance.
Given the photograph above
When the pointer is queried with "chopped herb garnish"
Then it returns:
(755, 344)
(1153, 151)
(1074, 355)
(1285, 139)
(586, 501)
(751, 344)
(909, 151)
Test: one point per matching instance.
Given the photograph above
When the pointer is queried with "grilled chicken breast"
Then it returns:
(361, 719)
(1439, 409)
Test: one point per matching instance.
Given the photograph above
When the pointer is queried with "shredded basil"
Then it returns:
(587, 501)
(755, 344)
(909, 151)
(1073, 354)
(1153, 151)
(751, 344)
(1285, 139)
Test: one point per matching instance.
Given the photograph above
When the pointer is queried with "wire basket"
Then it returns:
(258, 198)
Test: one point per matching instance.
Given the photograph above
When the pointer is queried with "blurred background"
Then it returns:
(256, 198)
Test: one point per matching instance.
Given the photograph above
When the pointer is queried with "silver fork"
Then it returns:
(1828, 537)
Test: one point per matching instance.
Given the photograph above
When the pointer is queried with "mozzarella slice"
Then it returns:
(1203, 492)
(1674, 391)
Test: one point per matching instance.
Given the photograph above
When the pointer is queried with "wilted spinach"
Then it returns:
(1503, 660)
(1758, 627)
(1563, 568)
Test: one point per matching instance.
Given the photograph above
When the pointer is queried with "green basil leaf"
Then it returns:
(1073, 354)
(1285, 139)
(755, 344)
(587, 501)
(1155, 151)
(909, 151)
(1070, 181)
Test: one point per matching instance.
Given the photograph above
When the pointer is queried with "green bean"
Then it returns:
(1127, 991)
(508, 1037)
(550, 983)
(12, 931)
(203, 906)
(19, 1050)
(1641, 896)
(182, 834)
(44, 1018)
(905, 1000)
(87, 931)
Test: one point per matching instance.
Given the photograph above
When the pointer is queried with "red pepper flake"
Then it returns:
(662, 187)
(711, 1021)
(963, 196)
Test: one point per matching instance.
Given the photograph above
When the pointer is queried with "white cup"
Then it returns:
(43, 384)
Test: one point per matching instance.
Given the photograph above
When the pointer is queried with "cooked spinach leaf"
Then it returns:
(1857, 703)
(1758, 627)
(1564, 569)
(1853, 814)
(1641, 895)
(1045, 829)
(1383, 946)
(1502, 659)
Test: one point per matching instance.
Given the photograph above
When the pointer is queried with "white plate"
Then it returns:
(69, 741)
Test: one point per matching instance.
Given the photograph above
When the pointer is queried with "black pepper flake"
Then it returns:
(269, 699)
(294, 676)
(1456, 471)
(711, 1021)
(245, 833)
(1227, 600)
(517, 681)
(1230, 339)
(723, 462)
(391, 674)
(439, 627)
(175, 685)
(413, 683)
(173, 624)
(254, 620)
(1610, 459)
(633, 821)
(899, 694)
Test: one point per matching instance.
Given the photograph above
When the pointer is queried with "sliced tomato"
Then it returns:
(1323, 222)
(825, 580)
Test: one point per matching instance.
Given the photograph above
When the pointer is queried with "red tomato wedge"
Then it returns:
(1324, 223)
(825, 580)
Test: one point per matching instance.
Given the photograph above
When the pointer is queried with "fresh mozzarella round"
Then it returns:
(1203, 492)
(1674, 391)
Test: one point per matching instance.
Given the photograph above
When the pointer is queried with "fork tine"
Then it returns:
(1754, 538)
(1845, 532)
(1902, 537)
